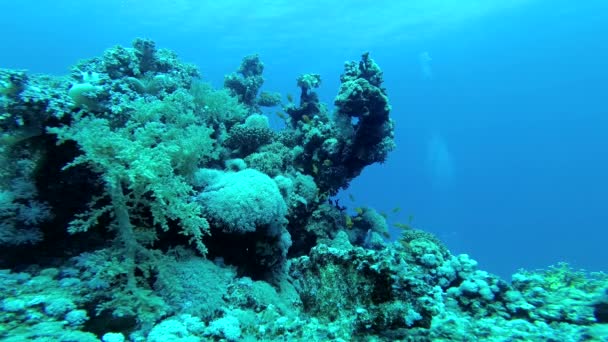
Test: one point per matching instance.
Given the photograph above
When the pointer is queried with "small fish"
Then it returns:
(359, 210)
(289, 97)
(396, 210)
(349, 221)
(402, 226)
(351, 197)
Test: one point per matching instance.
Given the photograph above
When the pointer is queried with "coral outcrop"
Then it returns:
(140, 203)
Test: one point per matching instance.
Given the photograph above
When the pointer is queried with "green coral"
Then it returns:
(149, 158)
(217, 106)
(144, 163)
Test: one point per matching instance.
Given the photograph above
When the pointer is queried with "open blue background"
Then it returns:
(502, 152)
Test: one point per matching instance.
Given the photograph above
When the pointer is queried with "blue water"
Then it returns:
(501, 110)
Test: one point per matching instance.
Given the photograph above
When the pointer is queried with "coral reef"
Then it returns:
(140, 203)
